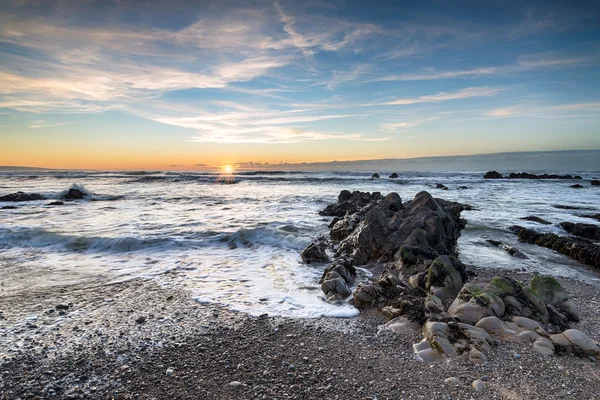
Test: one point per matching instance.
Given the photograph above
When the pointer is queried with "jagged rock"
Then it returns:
(578, 249)
(75, 194)
(392, 202)
(440, 186)
(394, 176)
(315, 252)
(446, 277)
(434, 304)
(509, 249)
(473, 303)
(367, 241)
(592, 216)
(588, 231)
(493, 175)
(536, 219)
(337, 279)
(436, 334)
(350, 203)
(595, 182)
(575, 341)
(550, 291)
(544, 346)
(375, 176)
(518, 300)
(22, 196)
(476, 337)
(344, 227)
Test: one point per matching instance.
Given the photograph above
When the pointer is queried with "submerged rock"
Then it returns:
(576, 186)
(8, 208)
(595, 182)
(375, 176)
(578, 249)
(22, 196)
(527, 175)
(394, 176)
(56, 203)
(592, 216)
(493, 175)
(536, 219)
(441, 186)
(509, 249)
(75, 194)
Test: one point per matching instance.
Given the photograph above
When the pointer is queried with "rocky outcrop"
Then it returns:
(579, 249)
(394, 176)
(56, 203)
(350, 203)
(441, 186)
(509, 249)
(526, 175)
(75, 194)
(576, 186)
(587, 231)
(315, 252)
(539, 220)
(595, 182)
(22, 196)
(8, 208)
(375, 176)
(575, 341)
(592, 216)
(493, 175)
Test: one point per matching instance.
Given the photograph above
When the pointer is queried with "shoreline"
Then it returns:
(97, 350)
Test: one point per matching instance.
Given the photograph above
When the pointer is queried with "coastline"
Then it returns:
(97, 350)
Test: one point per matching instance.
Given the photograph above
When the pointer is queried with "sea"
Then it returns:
(235, 239)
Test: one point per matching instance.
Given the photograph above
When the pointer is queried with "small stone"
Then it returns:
(140, 320)
(452, 381)
(592, 358)
(170, 372)
(235, 384)
(478, 385)
(517, 355)
(61, 307)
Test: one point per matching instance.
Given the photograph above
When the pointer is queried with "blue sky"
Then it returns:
(181, 82)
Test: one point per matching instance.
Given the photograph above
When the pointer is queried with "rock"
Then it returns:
(462, 187)
(588, 231)
(446, 277)
(351, 203)
(536, 219)
(315, 252)
(592, 216)
(473, 303)
(75, 194)
(509, 249)
(235, 384)
(440, 186)
(56, 203)
(436, 334)
(62, 306)
(526, 175)
(394, 176)
(22, 196)
(493, 175)
(337, 279)
(392, 202)
(595, 182)
(478, 385)
(8, 208)
(578, 249)
(452, 381)
(550, 291)
(400, 325)
(544, 346)
(576, 186)
(170, 372)
(573, 340)
(476, 337)
(375, 176)
(434, 304)
(529, 325)
(140, 320)
(476, 356)
(496, 328)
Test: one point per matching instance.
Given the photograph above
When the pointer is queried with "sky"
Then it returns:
(189, 84)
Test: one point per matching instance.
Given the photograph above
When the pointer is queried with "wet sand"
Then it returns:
(141, 340)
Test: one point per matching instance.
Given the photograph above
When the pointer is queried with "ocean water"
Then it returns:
(235, 240)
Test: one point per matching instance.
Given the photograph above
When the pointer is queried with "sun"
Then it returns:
(228, 169)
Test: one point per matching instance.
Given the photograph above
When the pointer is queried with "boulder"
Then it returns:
(375, 176)
(544, 346)
(56, 203)
(550, 291)
(576, 186)
(75, 194)
(440, 186)
(595, 182)
(394, 176)
(436, 334)
(446, 277)
(8, 208)
(526, 175)
(22, 196)
(315, 253)
(496, 328)
(575, 341)
(473, 303)
(493, 175)
(337, 279)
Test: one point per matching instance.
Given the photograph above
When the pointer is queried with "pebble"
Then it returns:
(478, 385)
(170, 372)
(517, 355)
(141, 319)
(235, 383)
(452, 381)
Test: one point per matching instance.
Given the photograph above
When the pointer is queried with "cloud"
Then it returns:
(393, 126)
(43, 124)
(573, 110)
(478, 91)
(551, 61)
(440, 75)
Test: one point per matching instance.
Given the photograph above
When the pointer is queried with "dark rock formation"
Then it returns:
(350, 203)
(462, 187)
(588, 231)
(75, 194)
(526, 175)
(509, 249)
(375, 176)
(21, 196)
(595, 182)
(315, 252)
(579, 249)
(440, 186)
(493, 175)
(56, 203)
(564, 207)
(394, 176)
(8, 208)
(576, 186)
(536, 219)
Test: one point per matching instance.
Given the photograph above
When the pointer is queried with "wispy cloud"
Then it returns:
(43, 124)
(481, 91)
(439, 75)
(574, 110)
(408, 123)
